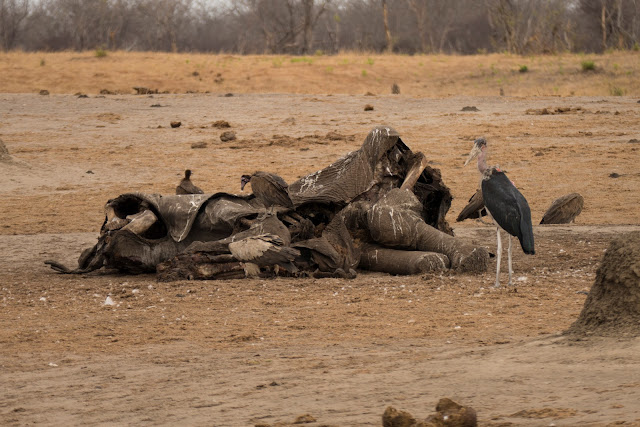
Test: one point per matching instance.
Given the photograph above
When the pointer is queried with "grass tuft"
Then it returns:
(588, 65)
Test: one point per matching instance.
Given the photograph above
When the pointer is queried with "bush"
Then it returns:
(101, 52)
(588, 66)
(616, 91)
(524, 69)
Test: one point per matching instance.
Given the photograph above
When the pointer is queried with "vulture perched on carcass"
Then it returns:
(265, 250)
(269, 188)
(186, 186)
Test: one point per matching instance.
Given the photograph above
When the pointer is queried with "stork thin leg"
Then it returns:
(497, 285)
(510, 269)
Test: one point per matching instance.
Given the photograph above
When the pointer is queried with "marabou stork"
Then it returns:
(186, 186)
(268, 188)
(506, 205)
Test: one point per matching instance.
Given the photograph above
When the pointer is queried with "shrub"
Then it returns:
(524, 69)
(101, 52)
(588, 66)
(364, 73)
(616, 91)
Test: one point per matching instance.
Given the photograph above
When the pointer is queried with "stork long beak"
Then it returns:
(473, 154)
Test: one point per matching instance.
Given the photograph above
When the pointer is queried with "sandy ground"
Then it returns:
(267, 351)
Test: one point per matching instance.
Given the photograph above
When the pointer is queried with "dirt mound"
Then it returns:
(613, 304)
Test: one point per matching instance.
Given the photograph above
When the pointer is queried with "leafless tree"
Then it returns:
(12, 15)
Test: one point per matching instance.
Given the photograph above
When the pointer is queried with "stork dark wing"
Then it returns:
(474, 209)
(270, 189)
(564, 209)
(509, 208)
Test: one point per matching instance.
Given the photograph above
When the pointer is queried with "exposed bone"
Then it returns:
(420, 162)
(140, 222)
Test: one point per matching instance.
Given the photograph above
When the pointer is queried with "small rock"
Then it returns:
(228, 95)
(470, 108)
(305, 419)
(175, 124)
(501, 92)
(614, 175)
(634, 141)
(106, 92)
(394, 418)
(334, 136)
(228, 136)
(44, 92)
(201, 144)
(140, 90)
(89, 172)
(108, 301)
(195, 74)
(395, 89)
(369, 94)
(368, 107)
(156, 105)
(221, 124)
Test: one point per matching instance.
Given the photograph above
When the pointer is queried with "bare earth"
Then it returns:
(246, 352)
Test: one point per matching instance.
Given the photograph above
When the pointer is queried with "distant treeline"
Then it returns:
(327, 26)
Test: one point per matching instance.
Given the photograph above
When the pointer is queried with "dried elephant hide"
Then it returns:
(379, 208)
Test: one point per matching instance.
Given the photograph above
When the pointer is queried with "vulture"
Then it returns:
(474, 209)
(186, 186)
(269, 188)
(564, 209)
(265, 250)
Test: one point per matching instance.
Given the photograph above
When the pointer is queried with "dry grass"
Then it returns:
(348, 73)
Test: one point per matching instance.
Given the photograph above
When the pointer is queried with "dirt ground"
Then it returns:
(247, 352)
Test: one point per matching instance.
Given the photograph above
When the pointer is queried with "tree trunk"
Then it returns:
(603, 25)
(387, 31)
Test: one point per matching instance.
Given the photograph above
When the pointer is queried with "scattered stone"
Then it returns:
(228, 136)
(156, 105)
(221, 124)
(634, 141)
(305, 419)
(201, 144)
(195, 74)
(448, 414)
(369, 94)
(334, 136)
(289, 121)
(368, 107)
(218, 79)
(175, 124)
(106, 92)
(141, 90)
(552, 111)
(394, 418)
(470, 108)
(44, 92)
(395, 89)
